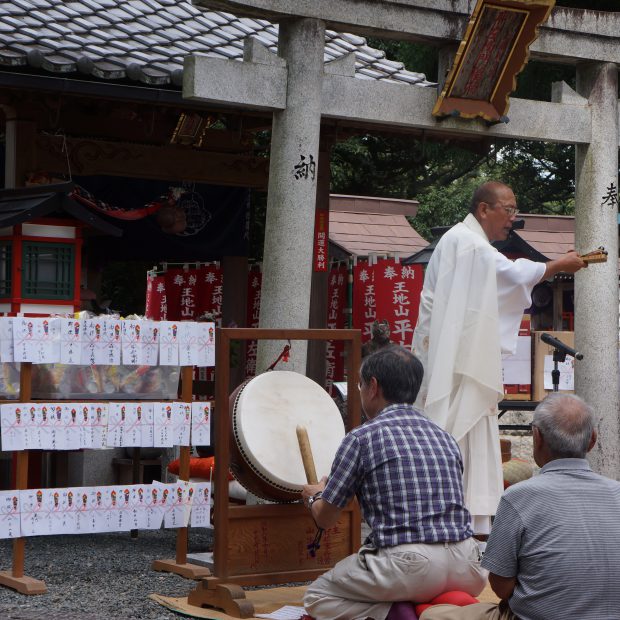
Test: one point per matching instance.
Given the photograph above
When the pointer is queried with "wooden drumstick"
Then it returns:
(308, 461)
(306, 454)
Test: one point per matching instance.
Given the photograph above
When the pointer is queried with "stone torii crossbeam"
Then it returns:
(300, 91)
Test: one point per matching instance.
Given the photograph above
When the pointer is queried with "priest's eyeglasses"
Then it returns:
(510, 211)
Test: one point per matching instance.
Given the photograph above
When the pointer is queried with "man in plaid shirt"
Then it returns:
(406, 473)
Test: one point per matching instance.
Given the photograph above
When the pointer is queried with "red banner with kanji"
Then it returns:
(321, 237)
(336, 305)
(156, 307)
(364, 298)
(210, 287)
(188, 302)
(175, 282)
(185, 293)
(398, 289)
(255, 280)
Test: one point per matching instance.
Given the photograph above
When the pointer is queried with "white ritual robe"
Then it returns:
(470, 310)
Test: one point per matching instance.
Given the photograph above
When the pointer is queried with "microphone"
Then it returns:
(516, 225)
(558, 344)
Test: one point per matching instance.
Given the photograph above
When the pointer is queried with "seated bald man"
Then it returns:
(553, 552)
(407, 475)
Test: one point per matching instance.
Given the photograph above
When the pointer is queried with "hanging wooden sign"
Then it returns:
(493, 52)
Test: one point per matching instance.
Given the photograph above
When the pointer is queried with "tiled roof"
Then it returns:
(146, 40)
(362, 226)
(551, 235)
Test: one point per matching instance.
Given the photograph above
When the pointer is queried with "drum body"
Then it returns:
(264, 450)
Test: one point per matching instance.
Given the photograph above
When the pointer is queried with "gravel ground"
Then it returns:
(98, 577)
(521, 441)
(521, 446)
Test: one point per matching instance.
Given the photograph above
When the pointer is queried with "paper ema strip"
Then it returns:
(10, 515)
(200, 496)
(13, 427)
(36, 340)
(169, 343)
(162, 425)
(104, 341)
(88, 510)
(74, 426)
(196, 344)
(7, 349)
(201, 423)
(71, 341)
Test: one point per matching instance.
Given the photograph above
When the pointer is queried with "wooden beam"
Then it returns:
(174, 163)
(108, 119)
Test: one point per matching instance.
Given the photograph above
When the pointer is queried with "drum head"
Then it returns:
(265, 417)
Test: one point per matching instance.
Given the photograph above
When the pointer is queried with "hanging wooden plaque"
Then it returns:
(493, 52)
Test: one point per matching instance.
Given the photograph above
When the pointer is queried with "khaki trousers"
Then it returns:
(480, 611)
(365, 585)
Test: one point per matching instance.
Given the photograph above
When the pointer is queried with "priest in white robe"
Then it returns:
(470, 311)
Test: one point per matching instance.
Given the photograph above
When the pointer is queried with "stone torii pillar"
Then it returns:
(291, 198)
(596, 288)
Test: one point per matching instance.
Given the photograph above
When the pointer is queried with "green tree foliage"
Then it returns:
(397, 166)
(442, 174)
(541, 175)
(446, 205)
(536, 78)
(442, 177)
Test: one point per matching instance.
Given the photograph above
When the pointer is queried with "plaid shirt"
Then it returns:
(407, 474)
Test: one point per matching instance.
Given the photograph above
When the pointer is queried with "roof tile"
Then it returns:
(58, 63)
(99, 28)
(135, 8)
(364, 233)
(11, 58)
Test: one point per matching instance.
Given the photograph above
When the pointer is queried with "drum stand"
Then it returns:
(267, 544)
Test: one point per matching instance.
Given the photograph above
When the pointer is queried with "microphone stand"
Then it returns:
(558, 356)
(560, 351)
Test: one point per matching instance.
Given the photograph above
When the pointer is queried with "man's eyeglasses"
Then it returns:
(510, 211)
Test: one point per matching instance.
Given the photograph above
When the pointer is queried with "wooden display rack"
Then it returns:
(15, 578)
(267, 544)
(179, 565)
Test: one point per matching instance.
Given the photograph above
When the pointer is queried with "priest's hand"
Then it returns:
(569, 263)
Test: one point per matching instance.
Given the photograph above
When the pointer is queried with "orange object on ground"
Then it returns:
(199, 467)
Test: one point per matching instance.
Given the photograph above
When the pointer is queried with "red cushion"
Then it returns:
(448, 598)
(199, 467)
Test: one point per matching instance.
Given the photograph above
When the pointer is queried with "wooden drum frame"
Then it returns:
(266, 544)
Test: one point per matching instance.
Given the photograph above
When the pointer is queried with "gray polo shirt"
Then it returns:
(559, 534)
